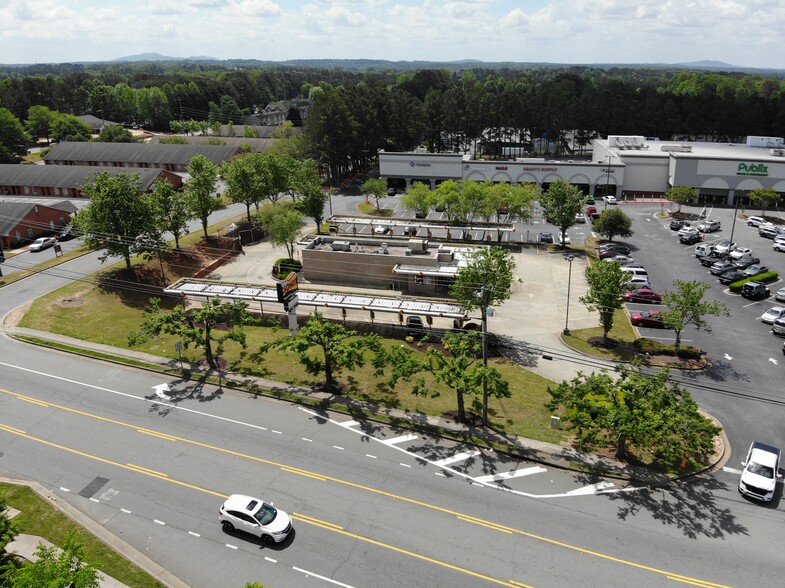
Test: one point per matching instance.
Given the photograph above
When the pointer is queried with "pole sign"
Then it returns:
(287, 290)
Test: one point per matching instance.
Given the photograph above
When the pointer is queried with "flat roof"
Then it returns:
(699, 150)
(436, 307)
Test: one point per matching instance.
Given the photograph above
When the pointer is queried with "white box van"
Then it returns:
(703, 249)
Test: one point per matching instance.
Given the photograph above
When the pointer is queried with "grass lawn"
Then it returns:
(37, 517)
(81, 310)
(622, 334)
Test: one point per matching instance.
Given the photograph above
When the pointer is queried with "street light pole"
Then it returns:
(569, 258)
(607, 182)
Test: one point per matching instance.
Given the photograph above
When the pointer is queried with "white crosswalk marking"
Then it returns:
(401, 439)
(457, 457)
(511, 474)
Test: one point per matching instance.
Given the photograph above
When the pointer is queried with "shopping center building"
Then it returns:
(626, 166)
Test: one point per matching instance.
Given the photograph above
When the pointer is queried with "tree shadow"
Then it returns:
(689, 506)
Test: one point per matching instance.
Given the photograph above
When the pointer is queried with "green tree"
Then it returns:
(606, 285)
(284, 223)
(115, 134)
(516, 200)
(171, 209)
(764, 197)
(376, 187)
(457, 367)
(484, 282)
(448, 198)
(562, 201)
(649, 411)
(196, 327)
(244, 181)
(39, 122)
(116, 216)
(200, 189)
(613, 223)
(680, 195)
(66, 127)
(13, 139)
(53, 567)
(418, 198)
(8, 527)
(339, 348)
(686, 307)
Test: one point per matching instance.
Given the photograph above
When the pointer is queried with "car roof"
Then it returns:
(765, 454)
(242, 502)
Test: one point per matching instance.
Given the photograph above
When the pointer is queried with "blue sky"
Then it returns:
(740, 32)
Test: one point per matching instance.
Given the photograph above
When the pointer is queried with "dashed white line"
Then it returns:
(64, 489)
(326, 579)
(230, 546)
(306, 439)
(271, 560)
(371, 456)
(457, 457)
(94, 500)
(338, 447)
(439, 473)
(406, 465)
(157, 522)
(276, 432)
(194, 534)
(125, 510)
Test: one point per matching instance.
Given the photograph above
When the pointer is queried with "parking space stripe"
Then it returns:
(511, 474)
(457, 457)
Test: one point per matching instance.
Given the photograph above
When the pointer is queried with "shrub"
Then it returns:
(766, 277)
(656, 348)
(284, 266)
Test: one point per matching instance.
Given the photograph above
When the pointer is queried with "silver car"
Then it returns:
(42, 243)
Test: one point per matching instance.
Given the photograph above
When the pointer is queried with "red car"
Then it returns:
(590, 210)
(647, 319)
(643, 295)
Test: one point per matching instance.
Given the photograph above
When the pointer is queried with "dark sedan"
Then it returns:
(643, 295)
(546, 237)
(720, 267)
(732, 276)
(647, 318)
(677, 224)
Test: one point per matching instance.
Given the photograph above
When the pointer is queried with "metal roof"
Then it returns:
(319, 298)
(140, 153)
(68, 176)
(259, 144)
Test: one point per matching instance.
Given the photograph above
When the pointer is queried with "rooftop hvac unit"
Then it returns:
(384, 248)
(418, 245)
(341, 246)
(777, 152)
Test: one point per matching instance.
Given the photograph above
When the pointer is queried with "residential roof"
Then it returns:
(12, 212)
(254, 143)
(68, 176)
(95, 122)
(153, 154)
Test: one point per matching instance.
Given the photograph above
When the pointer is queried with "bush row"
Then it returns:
(765, 277)
(644, 345)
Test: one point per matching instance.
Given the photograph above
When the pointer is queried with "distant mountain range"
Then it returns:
(159, 57)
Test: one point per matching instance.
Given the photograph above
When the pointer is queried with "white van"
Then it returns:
(636, 271)
(703, 249)
(755, 221)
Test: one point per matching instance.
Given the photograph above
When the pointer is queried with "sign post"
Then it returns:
(287, 295)
(178, 346)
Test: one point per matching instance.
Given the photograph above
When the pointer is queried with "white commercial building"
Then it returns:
(628, 166)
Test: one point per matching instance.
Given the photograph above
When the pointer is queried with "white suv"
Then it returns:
(761, 472)
(256, 517)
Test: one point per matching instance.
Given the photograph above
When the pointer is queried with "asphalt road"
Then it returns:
(373, 506)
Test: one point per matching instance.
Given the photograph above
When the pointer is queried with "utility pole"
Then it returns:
(484, 314)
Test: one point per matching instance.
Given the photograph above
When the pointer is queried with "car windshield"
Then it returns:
(266, 514)
(761, 470)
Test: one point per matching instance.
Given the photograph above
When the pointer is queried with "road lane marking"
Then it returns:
(347, 483)
(512, 474)
(401, 439)
(731, 470)
(592, 489)
(464, 455)
(318, 577)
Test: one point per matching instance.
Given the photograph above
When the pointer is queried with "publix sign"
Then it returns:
(752, 169)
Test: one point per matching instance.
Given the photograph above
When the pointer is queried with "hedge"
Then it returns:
(765, 277)
(656, 348)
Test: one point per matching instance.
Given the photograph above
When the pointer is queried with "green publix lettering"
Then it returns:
(752, 169)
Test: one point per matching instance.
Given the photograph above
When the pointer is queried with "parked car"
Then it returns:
(678, 223)
(772, 315)
(410, 230)
(643, 295)
(42, 243)
(709, 226)
(610, 199)
(66, 233)
(620, 247)
(740, 252)
(745, 261)
(778, 327)
(703, 249)
(724, 247)
(779, 244)
(732, 276)
(755, 270)
(256, 517)
(563, 238)
(381, 230)
(580, 218)
(768, 231)
(622, 259)
(590, 210)
(637, 282)
(691, 238)
(780, 295)
(720, 267)
(754, 290)
(546, 237)
(647, 318)
(755, 221)
(761, 472)
(414, 326)
(687, 231)
(589, 200)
